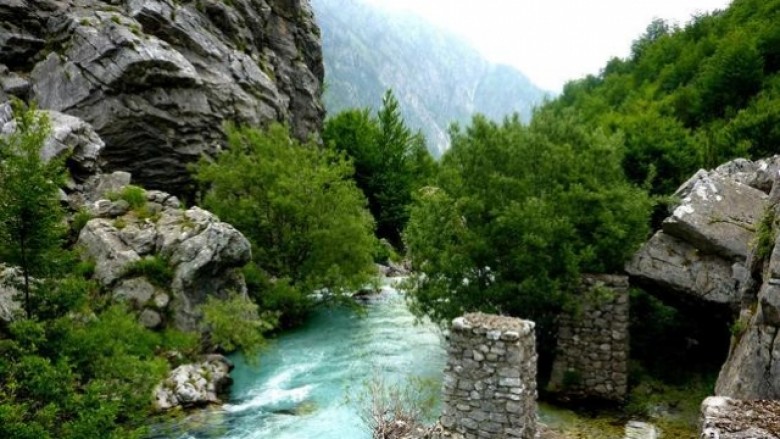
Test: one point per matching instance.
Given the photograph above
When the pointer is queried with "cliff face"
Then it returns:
(157, 78)
(722, 246)
(438, 78)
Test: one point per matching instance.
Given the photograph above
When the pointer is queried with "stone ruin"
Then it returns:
(591, 358)
(489, 387)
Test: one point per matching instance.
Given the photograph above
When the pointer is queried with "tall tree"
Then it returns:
(390, 160)
(31, 217)
(297, 204)
(519, 212)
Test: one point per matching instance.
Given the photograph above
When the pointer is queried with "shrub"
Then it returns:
(155, 268)
(766, 232)
(134, 195)
(306, 220)
(235, 324)
(393, 410)
(80, 219)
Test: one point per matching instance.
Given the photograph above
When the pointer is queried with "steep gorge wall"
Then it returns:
(158, 78)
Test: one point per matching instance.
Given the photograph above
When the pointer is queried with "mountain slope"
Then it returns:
(437, 78)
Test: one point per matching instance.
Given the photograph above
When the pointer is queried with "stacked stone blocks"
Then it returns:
(593, 347)
(490, 378)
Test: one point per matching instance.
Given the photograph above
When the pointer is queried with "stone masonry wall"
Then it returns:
(592, 352)
(490, 378)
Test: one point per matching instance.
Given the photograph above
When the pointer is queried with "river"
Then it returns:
(306, 383)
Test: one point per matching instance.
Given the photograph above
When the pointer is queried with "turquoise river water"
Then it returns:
(305, 383)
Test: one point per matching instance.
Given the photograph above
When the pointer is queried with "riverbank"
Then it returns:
(307, 383)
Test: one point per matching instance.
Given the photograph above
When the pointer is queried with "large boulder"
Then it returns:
(700, 254)
(157, 78)
(716, 214)
(194, 385)
(751, 370)
(192, 253)
(668, 263)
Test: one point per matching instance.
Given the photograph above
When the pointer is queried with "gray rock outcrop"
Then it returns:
(752, 370)
(194, 385)
(702, 247)
(199, 256)
(157, 78)
(10, 307)
(70, 138)
(726, 418)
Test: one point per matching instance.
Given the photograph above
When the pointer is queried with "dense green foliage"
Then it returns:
(86, 371)
(390, 161)
(296, 203)
(519, 212)
(30, 212)
(154, 268)
(76, 367)
(235, 324)
(690, 97)
(80, 366)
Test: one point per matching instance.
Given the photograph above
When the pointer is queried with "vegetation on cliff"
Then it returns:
(77, 366)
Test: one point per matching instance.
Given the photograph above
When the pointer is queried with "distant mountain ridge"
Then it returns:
(437, 77)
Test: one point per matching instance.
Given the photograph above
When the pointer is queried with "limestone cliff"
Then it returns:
(721, 246)
(700, 252)
(157, 78)
(752, 370)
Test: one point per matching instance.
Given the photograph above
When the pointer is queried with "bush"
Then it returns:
(305, 218)
(155, 268)
(134, 195)
(78, 374)
(393, 410)
(235, 324)
(80, 219)
(519, 213)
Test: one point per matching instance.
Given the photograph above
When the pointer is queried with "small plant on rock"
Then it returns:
(80, 219)
(235, 323)
(154, 268)
(134, 195)
(766, 232)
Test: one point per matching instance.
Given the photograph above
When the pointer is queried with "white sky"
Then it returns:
(552, 41)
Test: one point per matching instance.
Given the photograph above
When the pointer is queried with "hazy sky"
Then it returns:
(552, 41)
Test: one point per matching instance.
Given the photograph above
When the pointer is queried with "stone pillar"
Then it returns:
(490, 378)
(591, 358)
